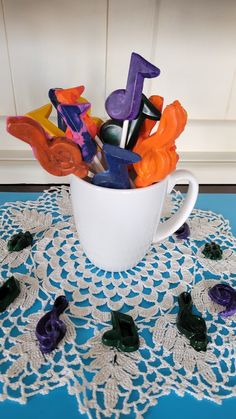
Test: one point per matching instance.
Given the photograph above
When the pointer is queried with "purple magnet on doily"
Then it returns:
(50, 329)
(224, 295)
(183, 232)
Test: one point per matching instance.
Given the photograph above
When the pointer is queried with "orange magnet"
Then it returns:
(58, 155)
(41, 115)
(69, 96)
(158, 151)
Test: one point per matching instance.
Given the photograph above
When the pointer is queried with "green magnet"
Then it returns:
(124, 334)
(111, 131)
(8, 293)
(212, 251)
(19, 241)
(191, 325)
(147, 111)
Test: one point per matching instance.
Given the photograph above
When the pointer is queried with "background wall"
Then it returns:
(63, 43)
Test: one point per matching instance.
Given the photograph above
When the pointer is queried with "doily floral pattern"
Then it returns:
(104, 380)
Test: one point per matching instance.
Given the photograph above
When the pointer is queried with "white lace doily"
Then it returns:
(105, 381)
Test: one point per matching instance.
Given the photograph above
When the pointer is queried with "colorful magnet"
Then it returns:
(183, 232)
(41, 115)
(158, 151)
(73, 117)
(73, 96)
(58, 156)
(224, 295)
(20, 241)
(92, 122)
(147, 111)
(65, 96)
(117, 160)
(8, 293)
(191, 325)
(212, 251)
(124, 104)
(50, 329)
(124, 334)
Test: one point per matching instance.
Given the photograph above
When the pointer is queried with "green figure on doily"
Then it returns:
(20, 241)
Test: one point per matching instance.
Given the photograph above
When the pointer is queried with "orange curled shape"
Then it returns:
(57, 155)
(158, 151)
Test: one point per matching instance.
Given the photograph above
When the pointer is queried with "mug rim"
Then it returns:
(123, 191)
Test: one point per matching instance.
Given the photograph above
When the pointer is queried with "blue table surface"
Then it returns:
(58, 404)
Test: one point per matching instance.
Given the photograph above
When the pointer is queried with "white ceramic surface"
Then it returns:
(116, 227)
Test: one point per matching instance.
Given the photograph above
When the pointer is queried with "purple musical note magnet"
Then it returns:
(124, 104)
(50, 329)
(73, 117)
(116, 176)
(224, 295)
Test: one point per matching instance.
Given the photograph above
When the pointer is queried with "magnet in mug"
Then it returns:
(110, 132)
(147, 111)
(117, 160)
(52, 96)
(41, 115)
(73, 117)
(158, 151)
(58, 155)
(72, 96)
(124, 104)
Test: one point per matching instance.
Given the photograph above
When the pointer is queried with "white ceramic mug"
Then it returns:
(116, 227)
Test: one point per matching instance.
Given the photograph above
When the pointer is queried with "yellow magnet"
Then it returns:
(41, 115)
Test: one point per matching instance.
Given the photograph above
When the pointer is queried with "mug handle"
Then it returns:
(167, 228)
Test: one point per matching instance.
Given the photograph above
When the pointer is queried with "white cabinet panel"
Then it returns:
(231, 111)
(196, 51)
(56, 43)
(6, 90)
(208, 136)
(131, 27)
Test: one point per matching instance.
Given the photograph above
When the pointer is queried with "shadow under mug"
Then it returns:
(116, 227)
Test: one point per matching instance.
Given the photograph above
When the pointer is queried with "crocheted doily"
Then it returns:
(104, 380)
